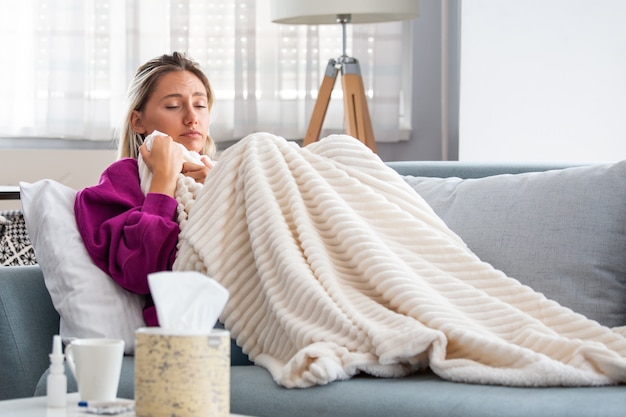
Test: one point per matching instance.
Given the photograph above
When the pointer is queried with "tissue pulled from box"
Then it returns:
(187, 302)
(188, 156)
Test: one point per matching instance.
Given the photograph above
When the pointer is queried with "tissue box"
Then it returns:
(185, 375)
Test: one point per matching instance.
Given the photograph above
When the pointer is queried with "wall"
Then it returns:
(435, 96)
(543, 81)
(75, 168)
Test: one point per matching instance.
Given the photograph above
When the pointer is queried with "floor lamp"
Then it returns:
(357, 118)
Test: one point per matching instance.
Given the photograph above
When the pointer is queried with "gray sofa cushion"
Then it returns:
(562, 232)
(254, 393)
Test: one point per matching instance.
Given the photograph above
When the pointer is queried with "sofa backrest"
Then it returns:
(445, 169)
(561, 231)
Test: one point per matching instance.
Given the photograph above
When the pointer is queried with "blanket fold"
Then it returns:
(336, 266)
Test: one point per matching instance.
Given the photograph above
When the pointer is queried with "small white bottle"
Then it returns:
(56, 384)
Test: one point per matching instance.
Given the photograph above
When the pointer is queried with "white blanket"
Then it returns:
(336, 266)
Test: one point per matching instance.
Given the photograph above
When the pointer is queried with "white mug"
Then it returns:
(96, 365)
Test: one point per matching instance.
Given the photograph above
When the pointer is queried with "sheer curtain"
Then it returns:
(66, 71)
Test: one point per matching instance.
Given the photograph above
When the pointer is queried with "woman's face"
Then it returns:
(177, 107)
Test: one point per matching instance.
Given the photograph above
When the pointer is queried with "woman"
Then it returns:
(129, 234)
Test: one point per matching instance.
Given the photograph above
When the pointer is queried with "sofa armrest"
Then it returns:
(28, 321)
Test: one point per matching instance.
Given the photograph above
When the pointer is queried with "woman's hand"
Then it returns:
(165, 160)
(196, 171)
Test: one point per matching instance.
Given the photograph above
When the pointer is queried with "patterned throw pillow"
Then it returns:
(15, 245)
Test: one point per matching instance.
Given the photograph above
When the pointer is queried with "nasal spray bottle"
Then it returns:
(56, 384)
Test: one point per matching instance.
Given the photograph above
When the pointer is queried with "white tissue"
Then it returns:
(187, 302)
(145, 174)
(188, 156)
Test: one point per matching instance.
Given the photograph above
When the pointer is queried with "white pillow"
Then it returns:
(89, 302)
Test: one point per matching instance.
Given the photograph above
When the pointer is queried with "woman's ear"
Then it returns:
(136, 123)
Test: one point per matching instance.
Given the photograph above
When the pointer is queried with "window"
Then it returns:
(68, 73)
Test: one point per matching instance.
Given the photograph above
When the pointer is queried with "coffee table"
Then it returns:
(37, 407)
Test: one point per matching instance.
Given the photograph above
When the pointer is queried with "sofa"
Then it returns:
(558, 228)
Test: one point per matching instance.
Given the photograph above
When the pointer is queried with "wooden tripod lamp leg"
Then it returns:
(358, 122)
(321, 104)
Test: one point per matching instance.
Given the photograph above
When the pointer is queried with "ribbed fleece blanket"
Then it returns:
(335, 266)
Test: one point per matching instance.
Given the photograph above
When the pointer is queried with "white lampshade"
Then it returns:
(319, 12)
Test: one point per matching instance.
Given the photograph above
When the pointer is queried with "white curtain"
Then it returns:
(67, 64)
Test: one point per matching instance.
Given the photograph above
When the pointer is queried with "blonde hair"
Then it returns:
(142, 87)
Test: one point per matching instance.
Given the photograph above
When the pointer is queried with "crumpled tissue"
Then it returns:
(188, 156)
(187, 302)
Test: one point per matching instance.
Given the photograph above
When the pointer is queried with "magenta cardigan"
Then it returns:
(128, 235)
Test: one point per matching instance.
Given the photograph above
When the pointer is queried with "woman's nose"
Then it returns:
(191, 117)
